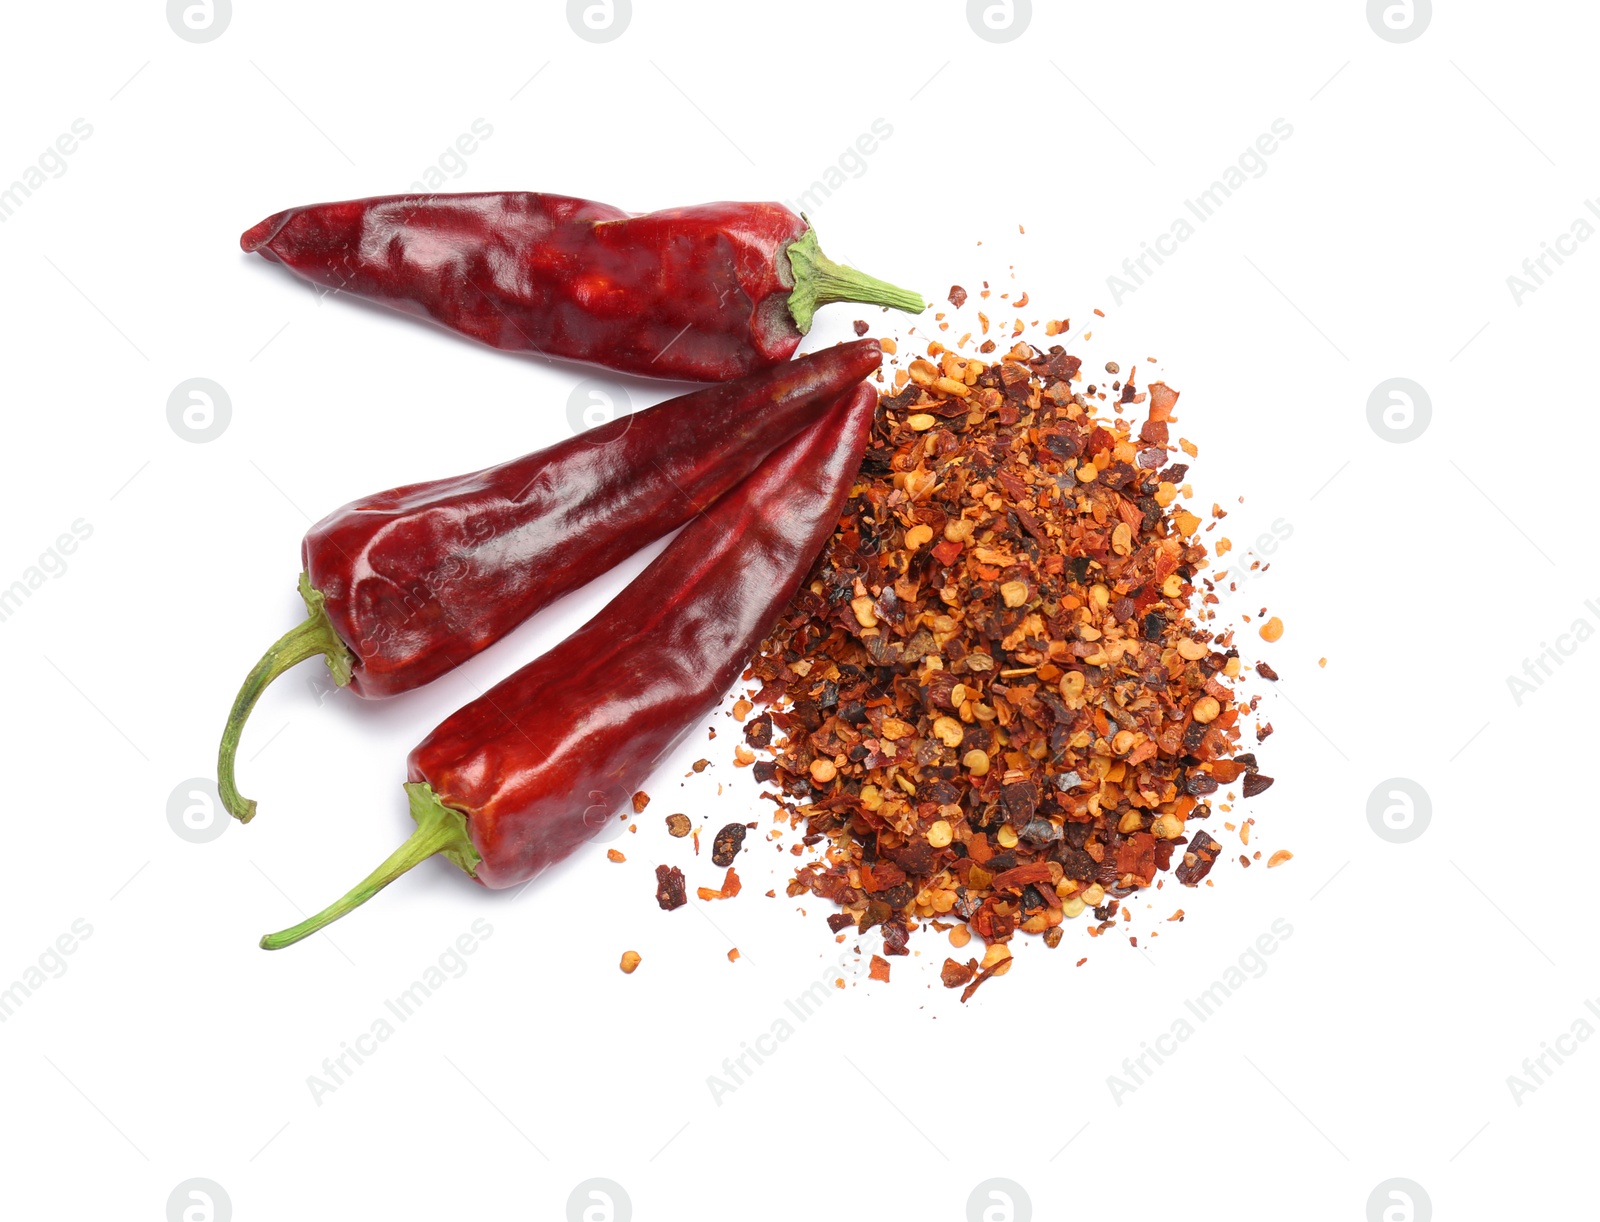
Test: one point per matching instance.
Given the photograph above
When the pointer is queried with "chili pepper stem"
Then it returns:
(439, 830)
(819, 281)
(315, 636)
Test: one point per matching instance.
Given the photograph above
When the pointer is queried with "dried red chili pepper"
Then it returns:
(522, 776)
(403, 586)
(704, 293)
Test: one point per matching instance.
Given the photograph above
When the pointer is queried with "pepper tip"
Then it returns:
(261, 233)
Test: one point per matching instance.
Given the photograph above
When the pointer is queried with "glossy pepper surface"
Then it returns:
(516, 780)
(705, 293)
(402, 586)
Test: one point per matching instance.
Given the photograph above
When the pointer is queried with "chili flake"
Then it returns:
(725, 847)
(998, 699)
(671, 889)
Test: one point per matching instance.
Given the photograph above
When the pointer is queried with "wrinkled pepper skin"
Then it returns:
(419, 579)
(699, 293)
(540, 762)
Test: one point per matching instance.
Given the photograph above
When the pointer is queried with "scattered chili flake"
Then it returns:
(671, 890)
(615, 855)
(730, 888)
(861, 326)
(998, 969)
(733, 954)
(958, 296)
(640, 801)
(727, 843)
(630, 960)
(956, 974)
(1278, 858)
(701, 765)
(678, 825)
(1255, 783)
(878, 969)
(1266, 672)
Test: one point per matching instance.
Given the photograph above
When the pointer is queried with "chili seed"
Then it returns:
(630, 960)
(678, 825)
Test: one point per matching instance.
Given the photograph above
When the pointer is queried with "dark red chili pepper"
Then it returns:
(704, 294)
(522, 776)
(403, 586)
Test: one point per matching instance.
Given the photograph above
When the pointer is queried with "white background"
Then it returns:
(1379, 1039)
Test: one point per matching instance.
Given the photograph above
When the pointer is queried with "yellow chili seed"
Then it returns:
(1006, 837)
(1206, 709)
(940, 834)
(976, 762)
(1272, 629)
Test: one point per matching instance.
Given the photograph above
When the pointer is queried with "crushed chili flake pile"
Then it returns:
(993, 707)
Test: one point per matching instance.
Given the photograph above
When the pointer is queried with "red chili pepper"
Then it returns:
(519, 778)
(403, 586)
(704, 294)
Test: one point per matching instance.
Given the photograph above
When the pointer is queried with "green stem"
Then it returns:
(439, 830)
(819, 281)
(315, 636)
